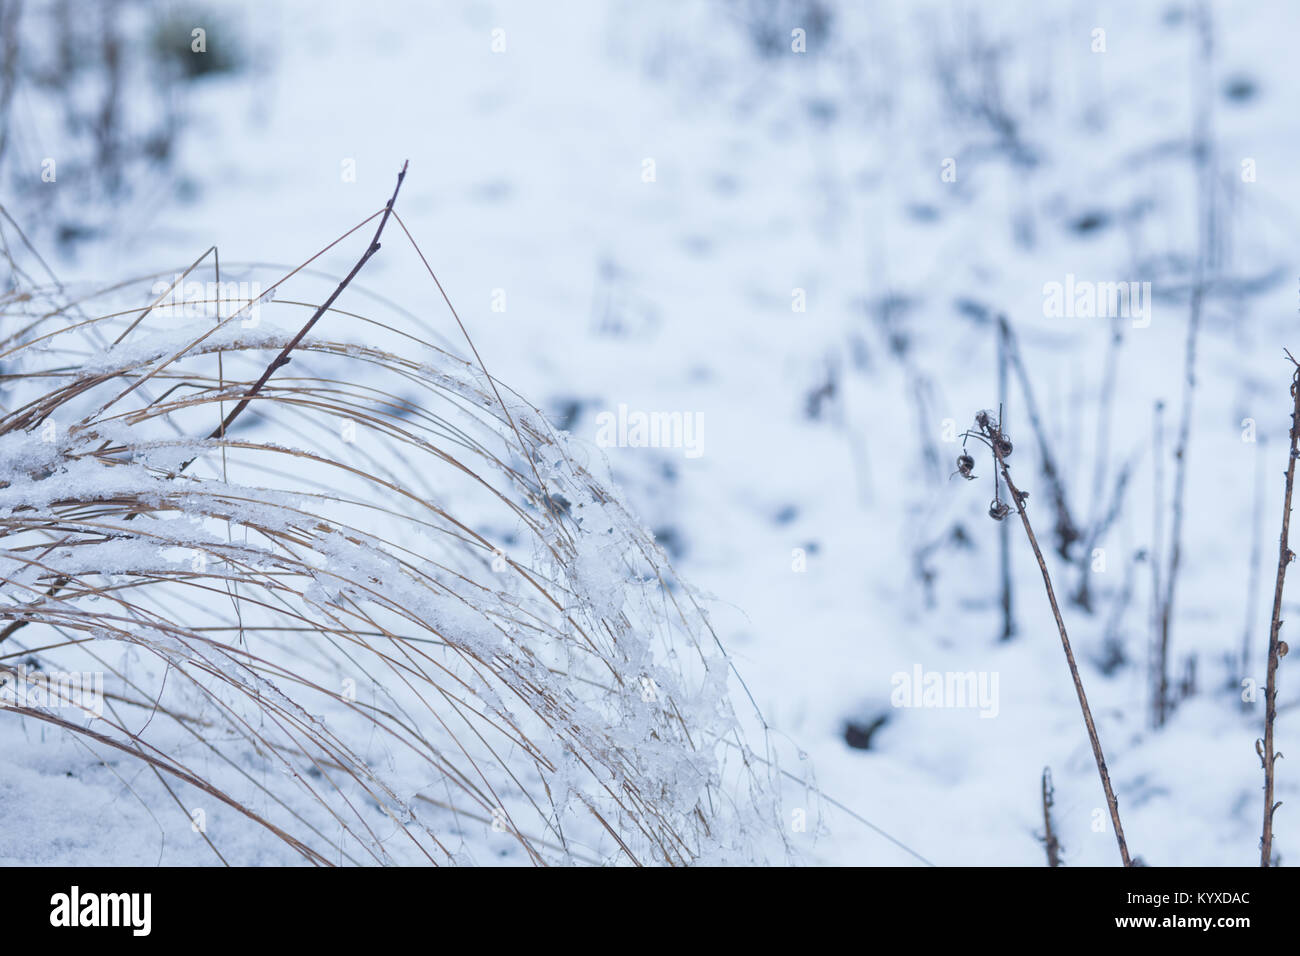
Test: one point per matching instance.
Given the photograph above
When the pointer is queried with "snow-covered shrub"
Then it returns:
(392, 616)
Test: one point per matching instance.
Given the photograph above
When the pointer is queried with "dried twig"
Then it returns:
(1176, 531)
(990, 432)
(283, 357)
(1205, 239)
(1096, 519)
(1159, 679)
(1067, 531)
(1276, 647)
(1050, 842)
(1256, 560)
(1004, 532)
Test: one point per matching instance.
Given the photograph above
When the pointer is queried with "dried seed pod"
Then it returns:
(965, 464)
(1003, 445)
(1282, 648)
(999, 510)
(982, 419)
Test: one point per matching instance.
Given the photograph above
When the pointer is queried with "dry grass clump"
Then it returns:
(387, 614)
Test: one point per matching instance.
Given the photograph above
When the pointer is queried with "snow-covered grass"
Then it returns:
(393, 619)
(821, 521)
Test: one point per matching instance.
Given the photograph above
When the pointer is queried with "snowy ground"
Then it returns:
(819, 172)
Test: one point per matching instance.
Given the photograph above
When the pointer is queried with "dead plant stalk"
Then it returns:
(1050, 842)
(1276, 646)
(991, 434)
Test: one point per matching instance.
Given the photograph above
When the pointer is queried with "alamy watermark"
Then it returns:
(203, 300)
(1084, 299)
(75, 908)
(960, 690)
(55, 690)
(637, 429)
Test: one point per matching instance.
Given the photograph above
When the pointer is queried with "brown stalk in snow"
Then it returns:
(990, 432)
(1276, 646)
(1050, 842)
